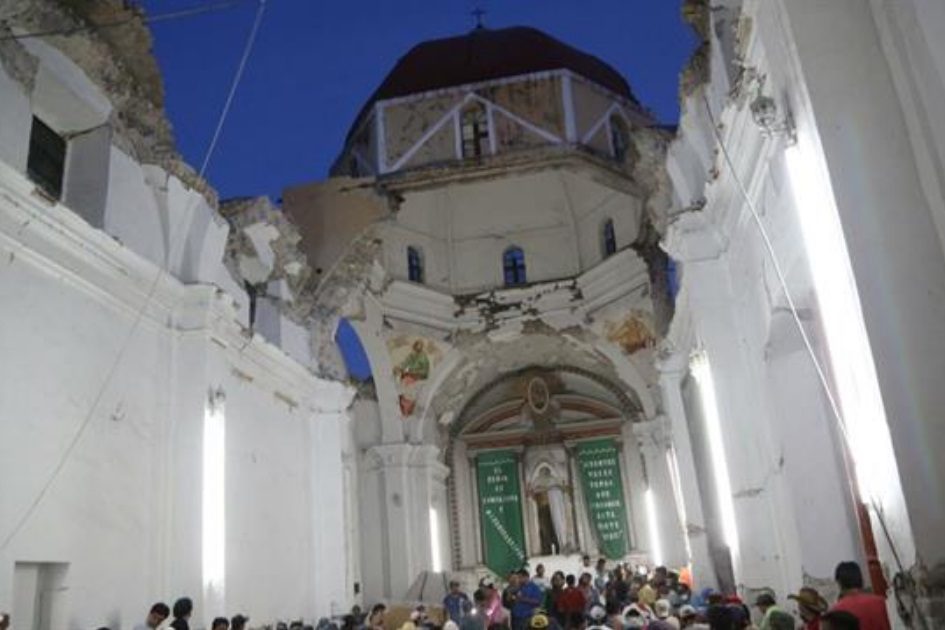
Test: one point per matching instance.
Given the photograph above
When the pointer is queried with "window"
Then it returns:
(609, 238)
(475, 131)
(414, 265)
(619, 138)
(672, 278)
(46, 161)
(513, 266)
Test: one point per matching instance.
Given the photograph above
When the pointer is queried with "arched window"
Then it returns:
(414, 264)
(619, 138)
(475, 131)
(608, 238)
(513, 266)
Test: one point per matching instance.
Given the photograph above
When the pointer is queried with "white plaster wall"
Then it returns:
(125, 510)
(555, 216)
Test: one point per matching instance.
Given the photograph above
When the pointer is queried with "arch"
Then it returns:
(630, 403)
(416, 271)
(513, 267)
(474, 130)
(608, 238)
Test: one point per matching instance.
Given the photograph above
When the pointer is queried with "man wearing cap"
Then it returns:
(456, 602)
(773, 617)
(596, 618)
(538, 621)
(689, 618)
(664, 619)
(810, 606)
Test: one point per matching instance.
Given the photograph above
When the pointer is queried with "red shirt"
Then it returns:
(571, 601)
(870, 609)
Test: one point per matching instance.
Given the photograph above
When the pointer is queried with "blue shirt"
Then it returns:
(533, 594)
(454, 603)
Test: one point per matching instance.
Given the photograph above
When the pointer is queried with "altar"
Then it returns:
(555, 475)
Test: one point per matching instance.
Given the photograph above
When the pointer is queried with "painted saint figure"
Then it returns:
(412, 371)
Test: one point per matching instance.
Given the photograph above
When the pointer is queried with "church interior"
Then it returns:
(519, 322)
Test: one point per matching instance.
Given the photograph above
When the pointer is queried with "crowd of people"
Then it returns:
(592, 598)
(618, 598)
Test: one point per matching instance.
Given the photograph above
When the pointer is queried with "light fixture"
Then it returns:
(436, 559)
(858, 397)
(765, 111)
(652, 521)
(214, 497)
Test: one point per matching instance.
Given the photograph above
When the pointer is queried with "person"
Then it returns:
(618, 589)
(839, 620)
(540, 578)
(664, 618)
(810, 607)
(647, 595)
(773, 618)
(510, 592)
(591, 596)
(183, 609)
(635, 617)
(597, 618)
(585, 565)
(478, 617)
(495, 613)
(689, 618)
(4, 620)
(238, 622)
(868, 608)
(376, 618)
(553, 596)
(456, 602)
(158, 614)
(600, 575)
(571, 603)
(220, 623)
(528, 598)
(538, 622)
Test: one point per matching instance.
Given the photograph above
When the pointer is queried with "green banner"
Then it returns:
(599, 462)
(500, 511)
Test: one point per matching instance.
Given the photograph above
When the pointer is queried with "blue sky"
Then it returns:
(316, 61)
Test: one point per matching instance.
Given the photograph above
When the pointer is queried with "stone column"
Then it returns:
(672, 369)
(402, 482)
(762, 512)
(653, 440)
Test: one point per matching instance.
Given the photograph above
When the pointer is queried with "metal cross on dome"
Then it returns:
(479, 13)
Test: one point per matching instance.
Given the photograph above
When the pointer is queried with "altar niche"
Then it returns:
(539, 470)
(550, 512)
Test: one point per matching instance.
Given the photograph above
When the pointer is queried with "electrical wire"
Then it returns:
(134, 17)
(792, 306)
(139, 316)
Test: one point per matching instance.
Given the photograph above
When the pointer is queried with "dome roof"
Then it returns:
(484, 54)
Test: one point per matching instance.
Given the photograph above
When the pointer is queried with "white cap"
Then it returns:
(662, 608)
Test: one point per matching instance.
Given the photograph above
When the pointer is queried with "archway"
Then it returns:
(524, 478)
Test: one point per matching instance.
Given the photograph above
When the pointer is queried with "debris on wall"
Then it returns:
(118, 60)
